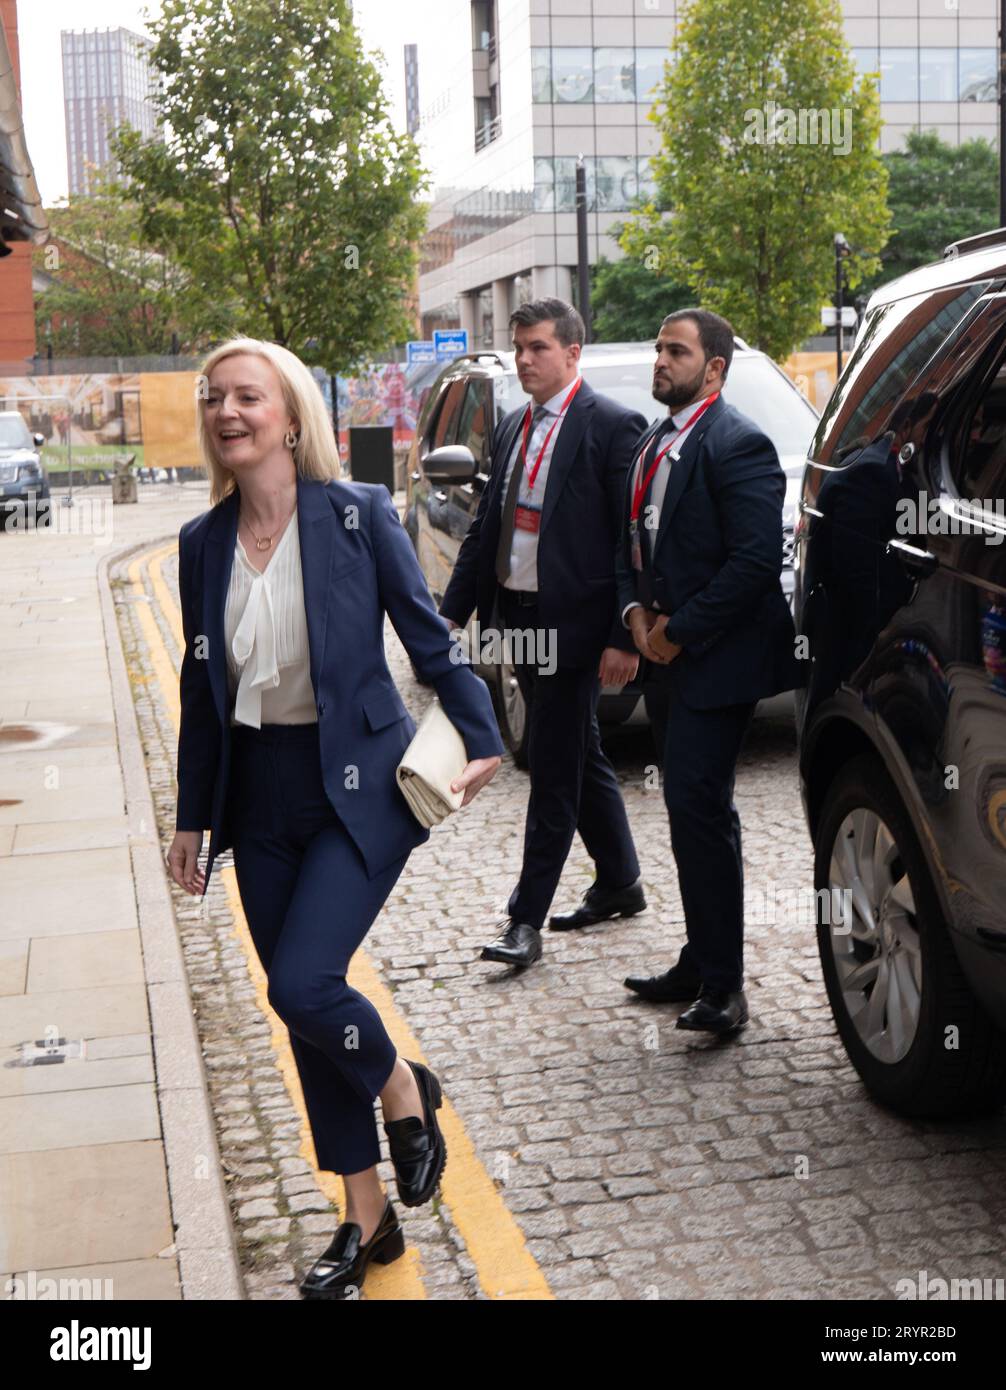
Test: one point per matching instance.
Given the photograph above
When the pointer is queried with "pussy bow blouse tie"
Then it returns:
(254, 650)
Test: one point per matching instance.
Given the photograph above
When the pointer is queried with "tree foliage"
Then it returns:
(111, 292)
(938, 194)
(629, 302)
(756, 88)
(282, 185)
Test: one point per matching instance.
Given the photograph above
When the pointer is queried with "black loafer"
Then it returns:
(601, 904)
(520, 945)
(417, 1147)
(340, 1272)
(675, 986)
(716, 1011)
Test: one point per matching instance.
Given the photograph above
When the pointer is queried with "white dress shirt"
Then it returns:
(524, 546)
(265, 627)
(649, 512)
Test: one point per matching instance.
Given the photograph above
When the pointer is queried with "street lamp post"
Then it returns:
(582, 254)
(1002, 113)
(841, 252)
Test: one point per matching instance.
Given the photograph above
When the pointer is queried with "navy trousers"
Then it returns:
(573, 785)
(309, 903)
(699, 749)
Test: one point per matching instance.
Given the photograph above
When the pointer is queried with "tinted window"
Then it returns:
(980, 468)
(895, 343)
(475, 421)
(445, 427)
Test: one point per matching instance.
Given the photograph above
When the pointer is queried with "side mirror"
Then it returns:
(38, 440)
(453, 463)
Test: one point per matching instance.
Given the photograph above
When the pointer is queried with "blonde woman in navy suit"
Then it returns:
(291, 731)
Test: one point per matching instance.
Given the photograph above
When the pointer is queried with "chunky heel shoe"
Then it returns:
(417, 1146)
(392, 1249)
(339, 1273)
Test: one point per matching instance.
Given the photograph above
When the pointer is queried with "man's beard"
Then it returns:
(676, 396)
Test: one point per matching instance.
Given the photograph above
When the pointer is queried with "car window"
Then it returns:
(475, 421)
(445, 426)
(980, 464)
(14, 433)
(896, 342)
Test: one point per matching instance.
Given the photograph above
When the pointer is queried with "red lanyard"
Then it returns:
(639, 492)
(527, 430)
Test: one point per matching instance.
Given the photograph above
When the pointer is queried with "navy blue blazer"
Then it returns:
(357, 563)
(580, 523)
(715, 564)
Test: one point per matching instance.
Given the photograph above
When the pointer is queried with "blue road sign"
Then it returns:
(419, 353)
(450, 342)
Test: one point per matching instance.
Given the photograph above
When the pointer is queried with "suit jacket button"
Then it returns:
(321, 709)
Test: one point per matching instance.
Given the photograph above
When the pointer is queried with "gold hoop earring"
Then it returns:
(291, 440)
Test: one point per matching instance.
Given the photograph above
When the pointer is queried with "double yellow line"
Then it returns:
(504, 1265)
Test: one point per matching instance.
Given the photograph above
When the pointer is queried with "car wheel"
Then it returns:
(909, 1021)
(511, 709)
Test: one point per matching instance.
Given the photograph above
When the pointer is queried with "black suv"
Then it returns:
(449, 468)
(901, 602)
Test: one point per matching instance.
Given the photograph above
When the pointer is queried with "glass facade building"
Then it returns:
(107, 81)
(516, 90)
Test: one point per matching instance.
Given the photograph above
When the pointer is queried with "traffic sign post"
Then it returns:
(418, 354)
(450, 343)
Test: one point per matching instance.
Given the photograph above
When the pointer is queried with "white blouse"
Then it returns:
(265, 626)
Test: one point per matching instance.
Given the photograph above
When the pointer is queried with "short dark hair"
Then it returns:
(569, 326)
(716, 334)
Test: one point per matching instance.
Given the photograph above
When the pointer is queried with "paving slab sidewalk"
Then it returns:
(109, 1168)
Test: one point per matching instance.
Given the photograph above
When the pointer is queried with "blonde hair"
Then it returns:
(316, 454)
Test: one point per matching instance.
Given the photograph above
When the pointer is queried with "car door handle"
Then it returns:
(807, 510)
(922, 562)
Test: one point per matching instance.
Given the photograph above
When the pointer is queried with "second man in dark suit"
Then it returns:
(699, 586)
(540, 556)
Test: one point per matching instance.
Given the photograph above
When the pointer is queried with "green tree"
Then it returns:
(768, 149)
(110, 292)
(628, 302)
(938, 193)
(282, 184)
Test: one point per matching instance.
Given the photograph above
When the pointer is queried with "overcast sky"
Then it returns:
(386, 25)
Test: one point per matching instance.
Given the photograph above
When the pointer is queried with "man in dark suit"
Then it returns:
(699, 587)
(539, 557)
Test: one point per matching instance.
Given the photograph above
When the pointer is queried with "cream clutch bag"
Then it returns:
(432, 761)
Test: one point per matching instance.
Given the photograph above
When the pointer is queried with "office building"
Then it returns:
(525, 86)
(107, 81)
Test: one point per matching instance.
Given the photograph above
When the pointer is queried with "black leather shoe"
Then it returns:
(716, 1011)
(340, 1272)
(520, 944)
(675, 986)
(600, 904)
(416, 1146)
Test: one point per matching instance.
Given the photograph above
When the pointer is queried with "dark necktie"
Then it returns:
(510, 505)
(646, 536)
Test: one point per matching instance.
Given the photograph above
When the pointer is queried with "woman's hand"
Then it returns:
(475, 776)
(183, 860)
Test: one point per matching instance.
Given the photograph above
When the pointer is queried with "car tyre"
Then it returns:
(893, 938)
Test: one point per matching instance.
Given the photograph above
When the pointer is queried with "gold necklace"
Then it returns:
(264, 542)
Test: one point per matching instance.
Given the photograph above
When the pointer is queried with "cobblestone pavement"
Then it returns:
(639, 1162)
